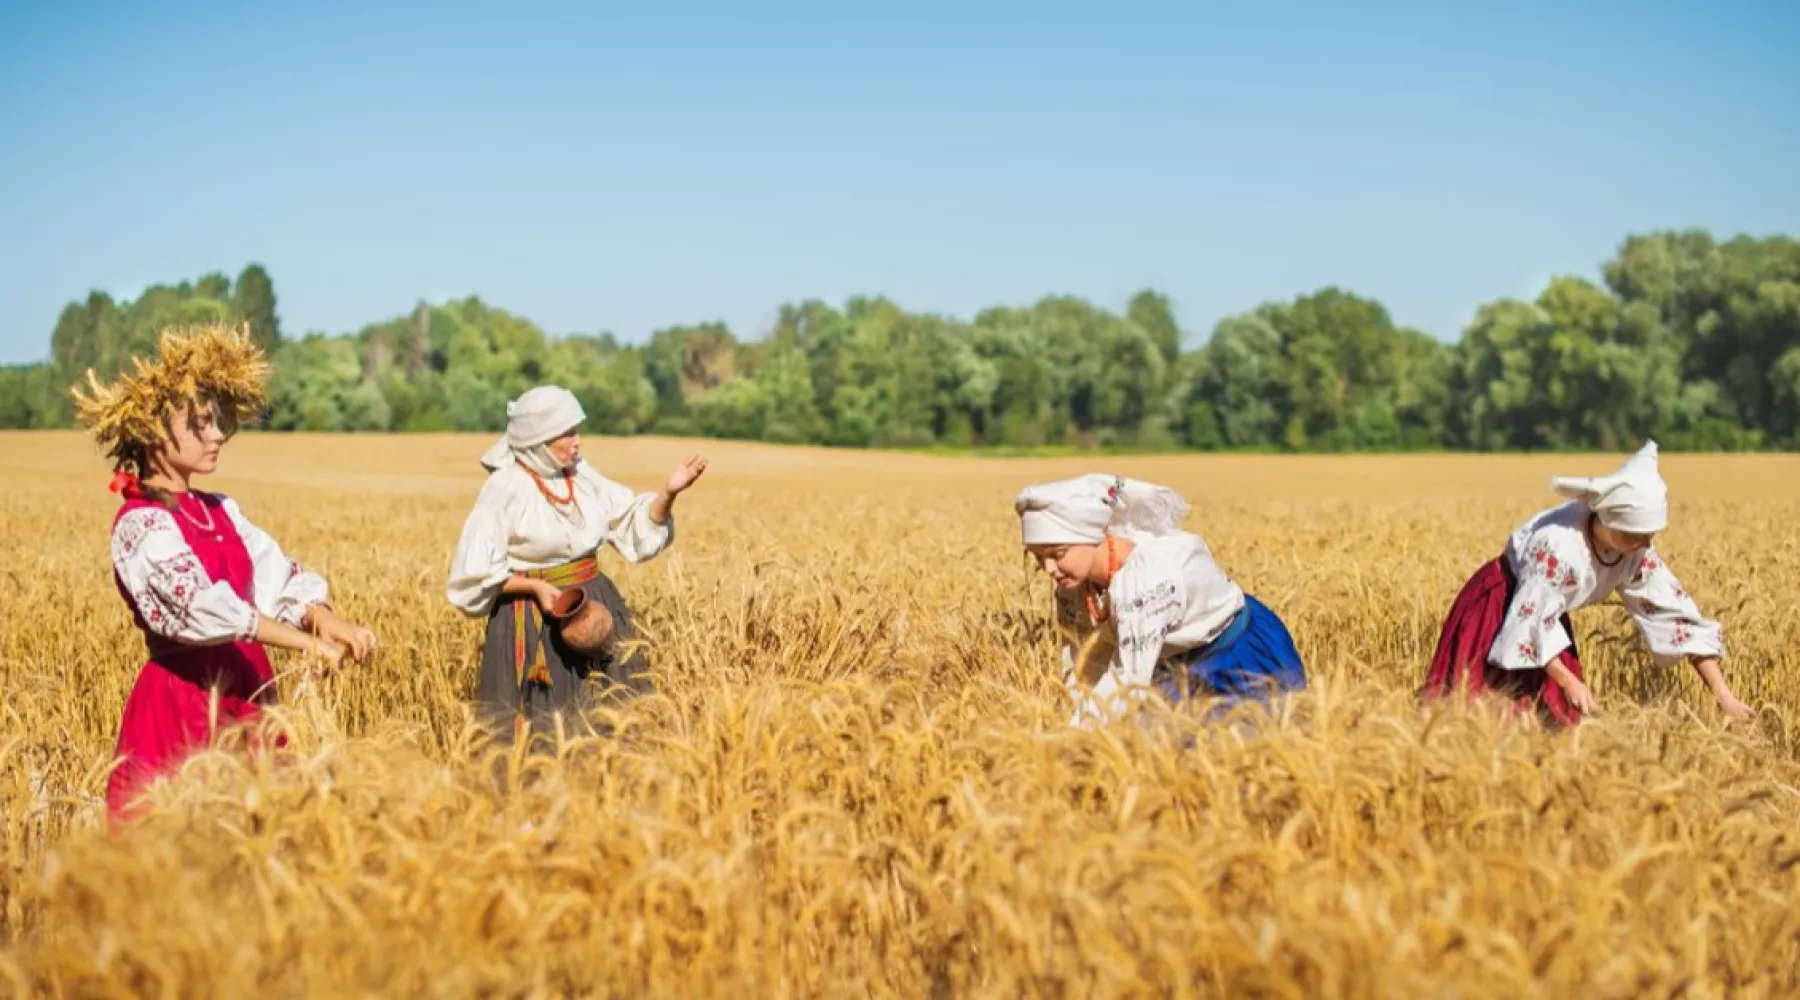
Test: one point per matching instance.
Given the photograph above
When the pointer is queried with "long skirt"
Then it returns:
(1461, 660)
(182, 699)
(1253, 658)
(513, 693)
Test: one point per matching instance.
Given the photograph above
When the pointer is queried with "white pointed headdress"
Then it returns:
(1080, 511)
(1633, 499)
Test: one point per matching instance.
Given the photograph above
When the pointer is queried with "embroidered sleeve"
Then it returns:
(1143, 615)
(479, 568)
(170, 589)
(630, 528)
(284, 588)
(1667, 618)
(1533, 634)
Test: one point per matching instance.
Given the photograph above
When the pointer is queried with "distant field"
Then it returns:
(859, 780)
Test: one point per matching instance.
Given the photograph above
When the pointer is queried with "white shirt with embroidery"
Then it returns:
(1168, 597)
(179, 601)
(514, 527)
(1557, 573)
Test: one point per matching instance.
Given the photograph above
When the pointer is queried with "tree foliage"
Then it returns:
(1685, 338)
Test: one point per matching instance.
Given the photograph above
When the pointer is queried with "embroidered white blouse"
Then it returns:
(513, 527)
(1557, 573)
(180, 602)
(1167, 598)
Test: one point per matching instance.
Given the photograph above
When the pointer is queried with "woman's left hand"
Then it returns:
(686, 474)
(359, 640)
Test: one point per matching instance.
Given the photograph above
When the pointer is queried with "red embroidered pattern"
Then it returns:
(1559, 573)
(171, 583)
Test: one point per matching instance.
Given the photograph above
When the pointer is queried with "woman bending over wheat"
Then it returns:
(1509, 632)
(1166, 617)
(206, 587)
(533, 540)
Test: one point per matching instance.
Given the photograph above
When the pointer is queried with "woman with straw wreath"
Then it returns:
(558, 631)
(1508, 631)
(207, 588)
(1160, 615)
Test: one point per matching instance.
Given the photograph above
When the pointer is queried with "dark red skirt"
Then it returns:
(1461, 660)
(172, 713)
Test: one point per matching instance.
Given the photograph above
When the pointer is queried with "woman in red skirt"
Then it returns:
(1509, 631)
(205, 586)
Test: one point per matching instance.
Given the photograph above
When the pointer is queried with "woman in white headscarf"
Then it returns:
(536, 531)
(1509, 630)
(1147, 607)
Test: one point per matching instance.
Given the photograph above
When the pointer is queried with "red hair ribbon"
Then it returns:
(124, 483)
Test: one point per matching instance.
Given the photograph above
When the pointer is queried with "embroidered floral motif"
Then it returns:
(168, 584)
(1526, 610)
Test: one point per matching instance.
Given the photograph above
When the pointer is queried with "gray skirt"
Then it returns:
(577, 682)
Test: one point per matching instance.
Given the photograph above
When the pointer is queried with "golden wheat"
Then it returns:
(857, 777)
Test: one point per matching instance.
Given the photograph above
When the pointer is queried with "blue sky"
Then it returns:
(595, 167)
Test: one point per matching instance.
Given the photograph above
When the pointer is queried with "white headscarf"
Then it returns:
(1080, 511)
(1633, 499)
(538, 417)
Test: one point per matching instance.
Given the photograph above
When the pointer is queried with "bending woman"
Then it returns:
(206, 587)
(536, 530)
(1509, 631)
(1148, 606)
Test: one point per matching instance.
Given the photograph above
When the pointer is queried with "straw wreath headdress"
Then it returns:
(214, 364)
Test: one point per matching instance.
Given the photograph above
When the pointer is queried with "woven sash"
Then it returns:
(529, 665)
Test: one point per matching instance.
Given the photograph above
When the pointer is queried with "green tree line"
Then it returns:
(1690, 339)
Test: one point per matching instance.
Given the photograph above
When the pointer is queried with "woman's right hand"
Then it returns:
(334, 655)
(547, 593)
(1580, 697)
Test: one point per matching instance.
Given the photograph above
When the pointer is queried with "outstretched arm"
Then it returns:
(685, 475)
(1709, 670)
(1673, 627)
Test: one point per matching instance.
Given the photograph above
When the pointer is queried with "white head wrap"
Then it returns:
(1080, 511)
(1633, 499)
(538, 417)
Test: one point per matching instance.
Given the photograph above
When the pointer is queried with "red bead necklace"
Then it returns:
(1112, 566)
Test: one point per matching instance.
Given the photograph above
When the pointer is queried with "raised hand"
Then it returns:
(686, 474)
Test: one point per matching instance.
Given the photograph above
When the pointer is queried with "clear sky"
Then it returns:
(605, 166)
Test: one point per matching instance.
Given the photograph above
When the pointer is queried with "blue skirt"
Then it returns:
(1253, 658)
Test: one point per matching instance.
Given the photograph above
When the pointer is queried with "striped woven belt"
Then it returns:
(532, 667)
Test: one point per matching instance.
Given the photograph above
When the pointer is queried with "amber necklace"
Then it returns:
(1100, 614)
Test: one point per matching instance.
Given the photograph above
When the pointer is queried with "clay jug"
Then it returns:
(585, 625)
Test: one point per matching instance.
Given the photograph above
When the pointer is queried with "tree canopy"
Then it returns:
(1690, 340)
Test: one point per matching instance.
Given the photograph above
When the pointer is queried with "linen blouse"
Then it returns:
(1557, 573)
(1169, 597)
(513, 527)
(180, 602)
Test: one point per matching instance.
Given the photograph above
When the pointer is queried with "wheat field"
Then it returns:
(857, 778)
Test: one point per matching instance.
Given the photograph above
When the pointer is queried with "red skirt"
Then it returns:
(171, 712)
(1461, 660)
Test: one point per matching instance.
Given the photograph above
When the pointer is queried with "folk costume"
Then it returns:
(1511, 619)
(542, 521)
(196, 577)
(1170, 619)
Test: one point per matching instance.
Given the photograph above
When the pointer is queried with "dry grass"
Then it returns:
(858, 780)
